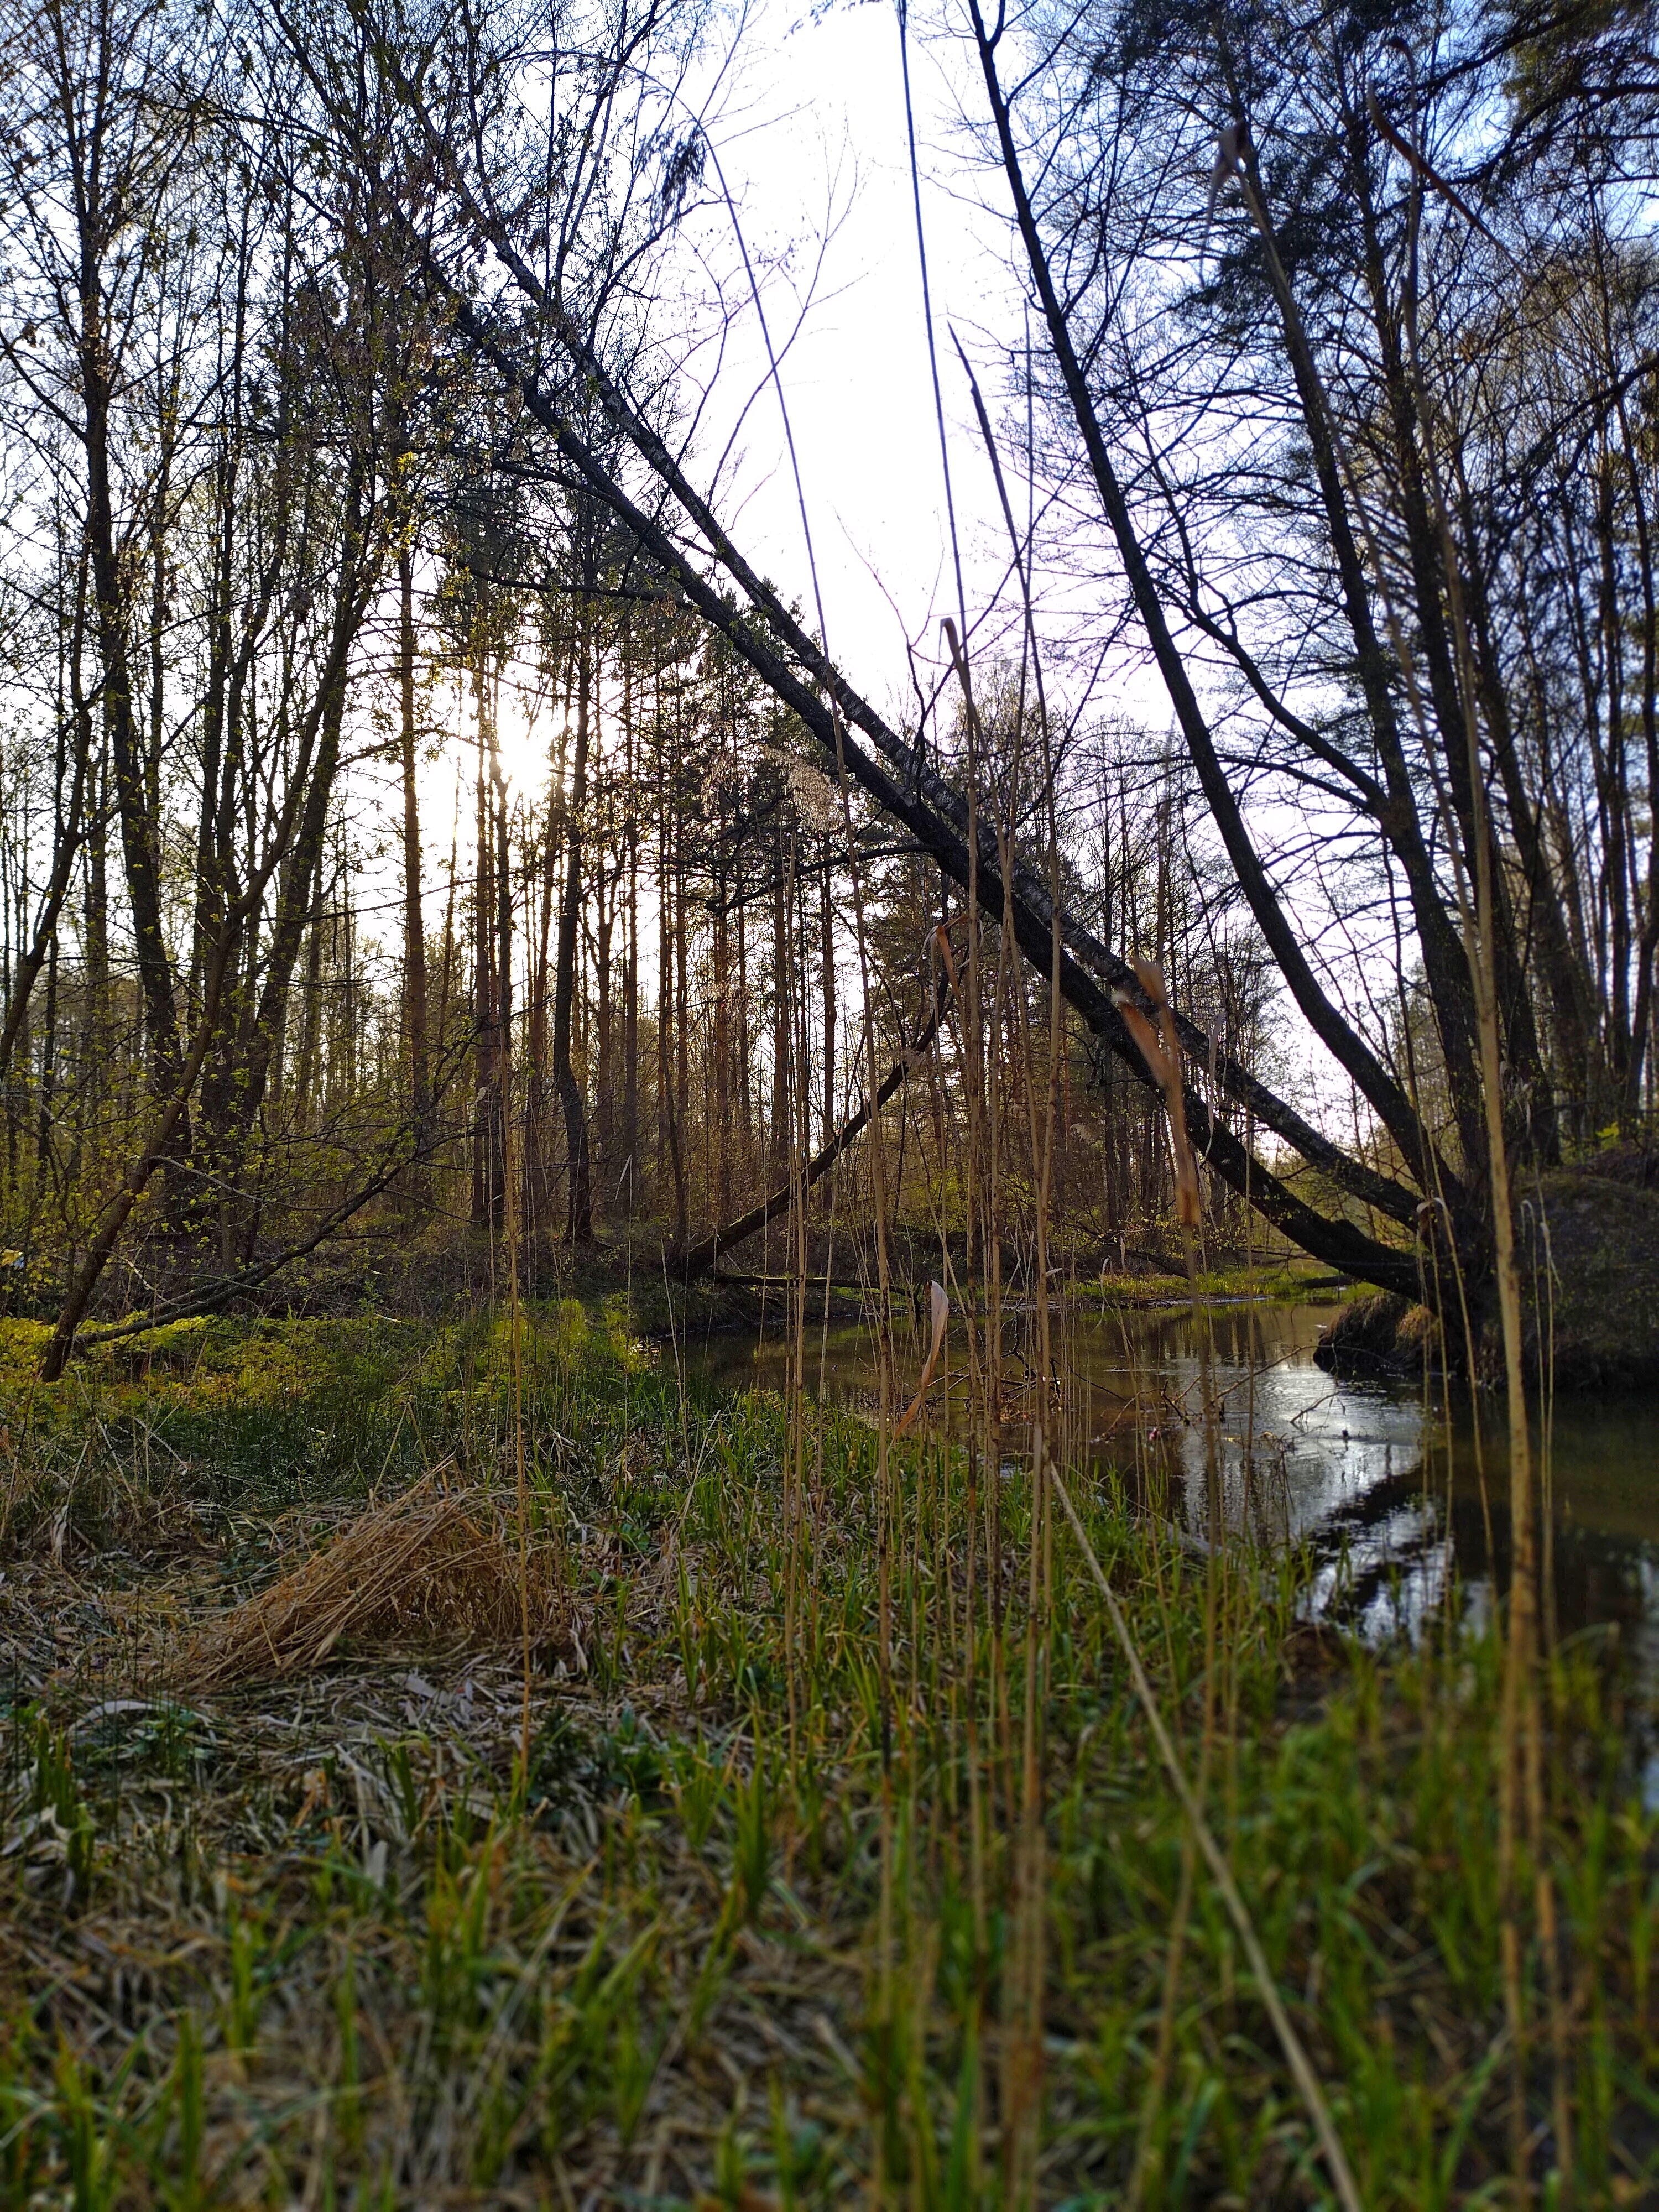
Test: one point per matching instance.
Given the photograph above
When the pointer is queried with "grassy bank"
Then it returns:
(748, 1929)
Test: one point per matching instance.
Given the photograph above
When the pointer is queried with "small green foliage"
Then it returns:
(751, 1828)
(567, 1762)
(732, 2155)
(348, 2072)
(189, 2187)
(245, 1935)
(58, 1799)
(85, 2137)
(699, 1789)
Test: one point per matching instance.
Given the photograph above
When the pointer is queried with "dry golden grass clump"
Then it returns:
(419, 1572)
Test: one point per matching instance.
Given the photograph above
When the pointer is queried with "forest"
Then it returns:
(792, 1413)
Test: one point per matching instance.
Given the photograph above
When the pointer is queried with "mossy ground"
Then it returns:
(328, 1940)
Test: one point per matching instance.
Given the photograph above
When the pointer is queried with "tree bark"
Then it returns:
(578, 1216)
(415, 984)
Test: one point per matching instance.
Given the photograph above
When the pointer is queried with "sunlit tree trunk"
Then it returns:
(414, 984)
(630, 1118)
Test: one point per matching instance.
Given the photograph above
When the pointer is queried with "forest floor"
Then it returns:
(747, 1927)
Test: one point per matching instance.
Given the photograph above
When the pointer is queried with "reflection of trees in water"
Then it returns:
(1599, 1580)
(1244, 1336)
(1396, 1537)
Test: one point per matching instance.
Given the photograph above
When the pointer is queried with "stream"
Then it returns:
(1402, 1508)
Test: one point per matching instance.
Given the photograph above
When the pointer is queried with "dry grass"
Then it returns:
(416, 1573)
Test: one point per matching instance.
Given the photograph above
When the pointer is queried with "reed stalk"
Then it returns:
(1521, 1789)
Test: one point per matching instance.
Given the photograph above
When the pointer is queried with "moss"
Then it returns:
(1588, 1242)
(1590, 1245)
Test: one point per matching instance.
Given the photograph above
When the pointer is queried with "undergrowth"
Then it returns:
(328, 1941)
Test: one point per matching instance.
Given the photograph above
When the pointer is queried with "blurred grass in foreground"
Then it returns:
(325, 1940)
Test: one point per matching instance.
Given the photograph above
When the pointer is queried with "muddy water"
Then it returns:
(1222, 1418)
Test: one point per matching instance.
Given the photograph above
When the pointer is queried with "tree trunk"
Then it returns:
(580, 1208)
(774, 645)
(721, 1113)
(780, 1134)
(630, 1121)
(502, 1098)
(604, 1108)
(827, 985)
(415, 987)
(483, 991)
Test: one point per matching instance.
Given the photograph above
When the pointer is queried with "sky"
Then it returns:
(810, 141)
(818, 124)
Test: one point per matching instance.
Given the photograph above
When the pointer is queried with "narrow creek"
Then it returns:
(1225, 1411)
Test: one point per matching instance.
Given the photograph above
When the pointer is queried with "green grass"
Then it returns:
(329, 1942)
(1282, 1283)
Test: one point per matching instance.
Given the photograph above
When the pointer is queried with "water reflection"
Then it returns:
(1223, 1420)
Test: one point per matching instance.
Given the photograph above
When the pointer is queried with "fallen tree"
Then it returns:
(895, 773)
(914, 793)
(699, 1258)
